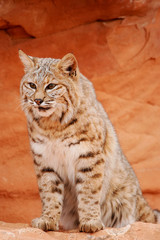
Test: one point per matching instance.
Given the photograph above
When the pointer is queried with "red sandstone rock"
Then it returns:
(10, 231)
(143, 231)
(40, 18)
(122, 59)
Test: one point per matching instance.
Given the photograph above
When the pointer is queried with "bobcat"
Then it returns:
(84, 179)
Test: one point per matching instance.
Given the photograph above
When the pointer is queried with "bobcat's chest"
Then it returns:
(57, 155)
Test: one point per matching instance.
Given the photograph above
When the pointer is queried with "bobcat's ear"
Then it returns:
(68, 64)
(26, 60)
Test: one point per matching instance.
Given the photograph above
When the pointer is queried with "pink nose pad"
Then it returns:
(38, 101)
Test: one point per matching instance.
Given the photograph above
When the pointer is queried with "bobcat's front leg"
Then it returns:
(89, 178)
(51, 190)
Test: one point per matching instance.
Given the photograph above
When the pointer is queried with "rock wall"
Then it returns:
(40, 18)
(117, 47)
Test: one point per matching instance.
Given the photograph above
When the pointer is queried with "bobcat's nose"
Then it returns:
(38, 101)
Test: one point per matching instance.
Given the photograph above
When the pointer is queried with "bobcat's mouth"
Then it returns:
(43, 108)
(44, 111)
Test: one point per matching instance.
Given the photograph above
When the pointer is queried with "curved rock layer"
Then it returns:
(40, 18)
(117, 47)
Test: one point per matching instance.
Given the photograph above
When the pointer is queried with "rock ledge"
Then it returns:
(138, 230)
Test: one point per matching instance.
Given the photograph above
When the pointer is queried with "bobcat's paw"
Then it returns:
(91, 226)
(45, 223)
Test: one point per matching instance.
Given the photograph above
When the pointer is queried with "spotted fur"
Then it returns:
(84, 179)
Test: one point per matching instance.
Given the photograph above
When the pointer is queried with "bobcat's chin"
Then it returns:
(44, 111)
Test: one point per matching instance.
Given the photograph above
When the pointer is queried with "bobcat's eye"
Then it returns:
(50, 86)
(32, 85)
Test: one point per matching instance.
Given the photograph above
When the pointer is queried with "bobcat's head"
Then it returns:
(50, 87)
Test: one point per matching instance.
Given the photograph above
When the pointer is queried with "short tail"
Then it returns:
(145, 213)
(157, 215)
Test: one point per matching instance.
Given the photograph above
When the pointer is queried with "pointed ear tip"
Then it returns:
(20, 52)
(69, 55)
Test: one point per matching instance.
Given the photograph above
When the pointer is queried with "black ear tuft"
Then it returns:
(69, 68)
